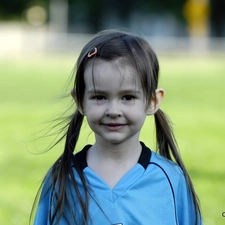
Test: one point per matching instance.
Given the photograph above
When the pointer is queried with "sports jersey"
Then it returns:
(153, 192)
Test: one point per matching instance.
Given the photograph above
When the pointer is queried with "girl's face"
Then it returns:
(114, 103)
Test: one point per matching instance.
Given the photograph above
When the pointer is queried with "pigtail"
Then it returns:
(62, 176)
(167, 147)
(165, 137)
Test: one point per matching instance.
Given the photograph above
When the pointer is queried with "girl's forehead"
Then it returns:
(118, 69)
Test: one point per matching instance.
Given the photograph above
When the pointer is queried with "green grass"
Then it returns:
(194, 101)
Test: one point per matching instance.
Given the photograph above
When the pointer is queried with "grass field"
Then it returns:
(195, 90)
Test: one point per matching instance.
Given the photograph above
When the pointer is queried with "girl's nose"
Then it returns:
(113, 110)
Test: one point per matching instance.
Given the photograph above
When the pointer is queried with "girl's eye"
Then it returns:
(128, 97)
(99, 97)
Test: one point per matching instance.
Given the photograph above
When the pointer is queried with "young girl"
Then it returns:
(118, 180)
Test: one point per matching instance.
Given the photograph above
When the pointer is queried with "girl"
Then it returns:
(118, 180)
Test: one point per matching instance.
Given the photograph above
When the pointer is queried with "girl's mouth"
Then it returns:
(114, 127)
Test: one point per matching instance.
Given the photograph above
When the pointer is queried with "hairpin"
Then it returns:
(91, 53)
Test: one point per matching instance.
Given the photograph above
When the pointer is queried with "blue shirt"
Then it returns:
(153, 192)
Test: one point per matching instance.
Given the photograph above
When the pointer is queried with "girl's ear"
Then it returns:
(156, 101)
(73, 94)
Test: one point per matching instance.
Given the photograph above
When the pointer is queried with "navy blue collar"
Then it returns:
(143, 160)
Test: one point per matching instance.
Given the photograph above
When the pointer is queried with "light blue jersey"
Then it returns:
(153, 192)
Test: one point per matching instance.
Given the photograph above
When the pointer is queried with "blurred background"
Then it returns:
(184, 25)
(39, 44)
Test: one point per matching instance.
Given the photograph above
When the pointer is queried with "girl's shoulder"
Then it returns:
(162, 168)
(166, 167)
(161, 160)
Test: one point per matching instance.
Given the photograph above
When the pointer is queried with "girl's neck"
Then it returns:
(112, 162)
(114, 152)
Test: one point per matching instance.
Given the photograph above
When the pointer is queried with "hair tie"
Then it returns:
(91, 53)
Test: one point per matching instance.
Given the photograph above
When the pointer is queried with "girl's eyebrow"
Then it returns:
(131, 91)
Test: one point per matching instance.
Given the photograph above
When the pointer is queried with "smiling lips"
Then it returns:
(113, 126)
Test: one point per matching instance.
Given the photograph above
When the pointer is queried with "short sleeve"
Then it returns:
(43, 208)
(185, 204)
